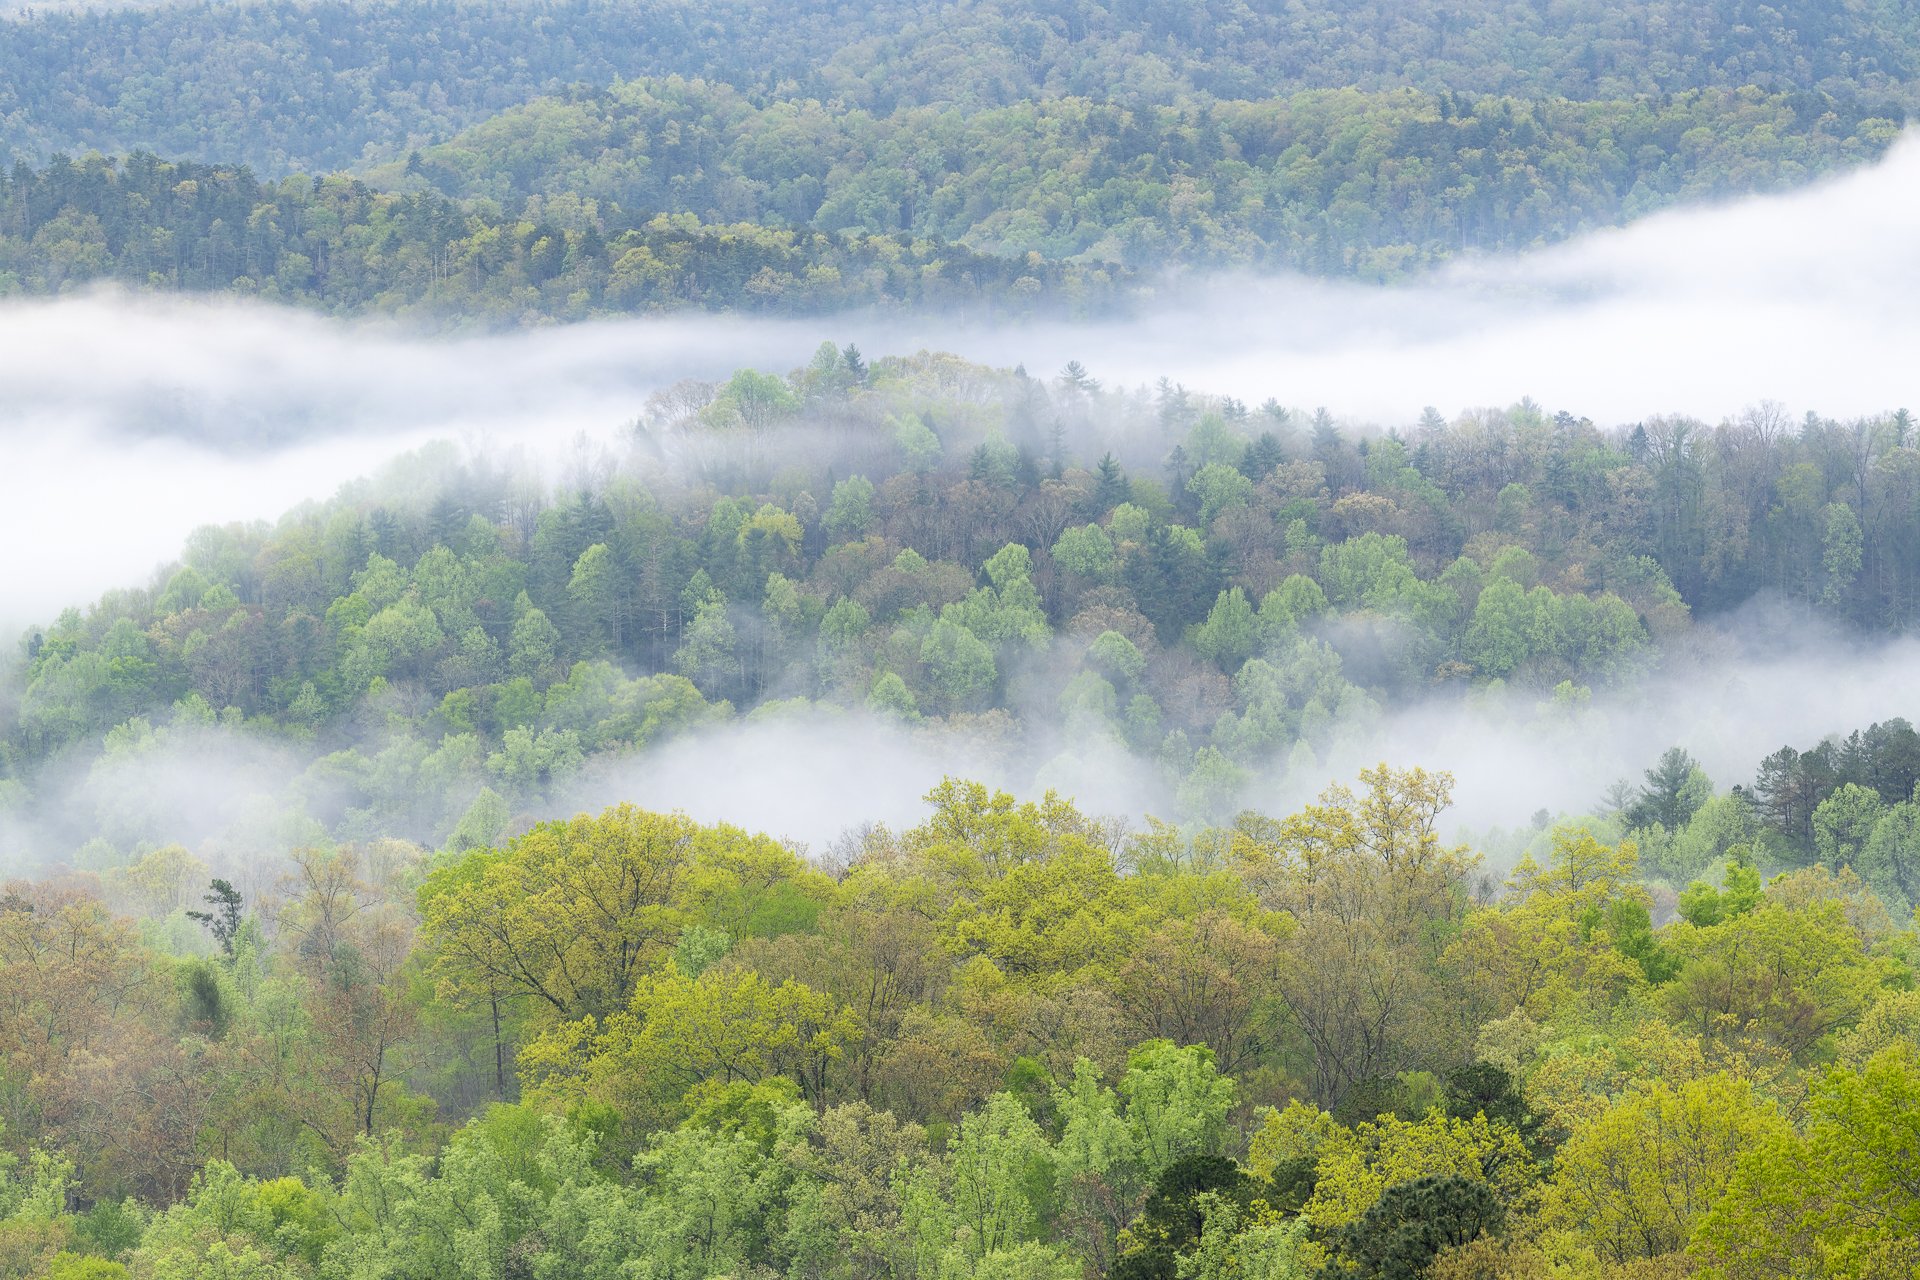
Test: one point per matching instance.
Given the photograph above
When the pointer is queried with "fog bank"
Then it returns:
(129, 421)
(816, 775)
(1746, 690)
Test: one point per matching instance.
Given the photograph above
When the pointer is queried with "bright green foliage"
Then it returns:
(594, 587)
(918, 446)
(504, 1183)
(1788, 976)
(1097, 1165)
(70, 1266)
(991, 1048)
(1356, 1167)
(681, 1037)
(1295, 602)
(1002, 1178)
(751, 401)
(1229, 634)
(535, 645)
(703, 1201)
(959, 664)
(37, 1192)
(891, 697)
(1240, 1244)
(1702, 904)
(709, 654)
(569, 915)
(1840, 554)
(1087, 551)
(1890, 862)
(1837, 1200)
(1371, 571)
(231, 1225)
(1219, 486)
(1843, 824)
(1117, 655)
(1177, 1103)
(851, 511)
(1008, 611)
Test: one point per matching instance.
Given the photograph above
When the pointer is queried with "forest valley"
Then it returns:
(1214, 867)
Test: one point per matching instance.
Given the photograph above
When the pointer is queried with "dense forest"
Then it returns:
(1012, 1041)
(337, 244)
(660, 195)
(1328, 181)
(525, 163)
(287, 87)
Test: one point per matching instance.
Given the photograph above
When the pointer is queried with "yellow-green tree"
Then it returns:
(1787, 975)
(1373, 894)
(1632, 1183)
(565, 917)
(680, 1039)
(1547, 947)
(1354, 1166)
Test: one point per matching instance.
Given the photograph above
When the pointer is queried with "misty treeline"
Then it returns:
(290, 87)
(1042, 569)
(1013, 1040)
(657, 195)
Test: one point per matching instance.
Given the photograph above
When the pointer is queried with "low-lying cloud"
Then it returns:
(1739, 695)
(814, 776)
(129, 421)
(1746, 690)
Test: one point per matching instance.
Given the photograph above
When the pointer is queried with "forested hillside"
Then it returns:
(518, 164)
(304, 87)
(1330, 182)
(341, 246)
(946, 544)
(660, 195)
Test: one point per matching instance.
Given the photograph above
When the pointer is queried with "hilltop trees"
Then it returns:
(564, 208)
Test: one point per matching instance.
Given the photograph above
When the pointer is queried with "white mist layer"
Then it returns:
(807, 778)
(815, 776)
(128, 422)
(812, 777)
(1803, 298)
(1730, 709)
